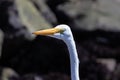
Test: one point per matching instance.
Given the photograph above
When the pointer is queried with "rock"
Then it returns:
(1, 41)
(108, 12)
(56, 76)
(9, 74)
(31, 77)
(91, 15)
(20, 29)
(109, 63)
(10, 22)
(30, 16)
(45, 10)
(80, 13)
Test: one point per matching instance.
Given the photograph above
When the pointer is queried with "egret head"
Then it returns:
(62, 32)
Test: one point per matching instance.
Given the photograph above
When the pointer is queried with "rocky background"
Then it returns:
(95, 26)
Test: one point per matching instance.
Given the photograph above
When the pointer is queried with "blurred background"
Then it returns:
(96, 28)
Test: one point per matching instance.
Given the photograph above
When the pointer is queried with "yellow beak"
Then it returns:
(48, 31)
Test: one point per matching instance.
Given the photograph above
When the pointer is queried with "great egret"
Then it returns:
(64, 33)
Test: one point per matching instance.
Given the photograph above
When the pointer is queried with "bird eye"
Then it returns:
(62, 30)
